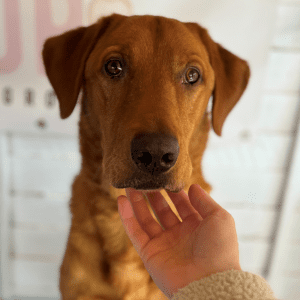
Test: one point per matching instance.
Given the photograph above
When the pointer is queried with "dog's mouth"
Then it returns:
(146, 191)
(150, 184)
(152, 189)
(149, 191)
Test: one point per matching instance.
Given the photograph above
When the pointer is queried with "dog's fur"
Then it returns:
(151, 96)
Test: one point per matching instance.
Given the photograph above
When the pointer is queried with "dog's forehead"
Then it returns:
(149, 35)
(155, 31)
(151, 39)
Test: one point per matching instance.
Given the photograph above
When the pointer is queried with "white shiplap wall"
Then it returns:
(248, 178)
(284, 272)
(37, 172)
(256, 178)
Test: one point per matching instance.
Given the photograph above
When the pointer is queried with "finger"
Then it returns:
(163, 211)
(183, 204)
(202, 202)
(137, 235)
(142, 213)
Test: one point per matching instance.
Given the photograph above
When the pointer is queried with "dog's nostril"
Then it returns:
(145, 157)
(154, 153)
(167, 158)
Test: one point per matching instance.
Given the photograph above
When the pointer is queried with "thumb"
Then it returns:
(137, 235)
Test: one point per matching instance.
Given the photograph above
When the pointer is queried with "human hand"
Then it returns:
(204, 243)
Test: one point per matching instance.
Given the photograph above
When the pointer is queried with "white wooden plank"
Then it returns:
(295, 225)
(24, 121)
(287, 29)
(32, 146)
(44, 175)
(289, 2)
(277, 113)
(43, 213)
(262, 152)
(253, 223)
(291, 260)
(287, 288)
(245, 189)
(253, 255)
(271, 151)
(36, 278)
(40, 242)
(283, 73)
(46, 290)
(6, 276)
(285, 237)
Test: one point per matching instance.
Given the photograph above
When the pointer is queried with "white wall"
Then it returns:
(248, 166)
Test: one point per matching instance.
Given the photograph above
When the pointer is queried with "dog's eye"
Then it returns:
(192, 75)
(113, 67)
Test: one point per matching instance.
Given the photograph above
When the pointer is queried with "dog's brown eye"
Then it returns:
(192, 75)
(113, 67)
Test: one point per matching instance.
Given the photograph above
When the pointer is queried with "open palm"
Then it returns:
(205, 242)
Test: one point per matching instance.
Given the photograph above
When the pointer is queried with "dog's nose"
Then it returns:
(154, 153)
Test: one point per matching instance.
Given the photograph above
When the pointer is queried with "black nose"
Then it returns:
(154, 153)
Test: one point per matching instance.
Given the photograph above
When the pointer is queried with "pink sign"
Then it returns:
(44, 27)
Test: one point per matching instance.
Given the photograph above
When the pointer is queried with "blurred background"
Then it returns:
(254, 168)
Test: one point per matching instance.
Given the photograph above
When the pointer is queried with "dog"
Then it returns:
(146, 82)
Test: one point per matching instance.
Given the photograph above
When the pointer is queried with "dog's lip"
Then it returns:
(150, 191)
(155, 191)
(167, 188)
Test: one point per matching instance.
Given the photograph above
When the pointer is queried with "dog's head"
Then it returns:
(147, 81)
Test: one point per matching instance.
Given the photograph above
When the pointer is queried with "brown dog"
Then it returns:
(146, 82)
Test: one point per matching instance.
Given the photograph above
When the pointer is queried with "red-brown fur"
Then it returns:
(100, 261)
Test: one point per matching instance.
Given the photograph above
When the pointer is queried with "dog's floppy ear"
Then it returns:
(231, 78)
(64, 58)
